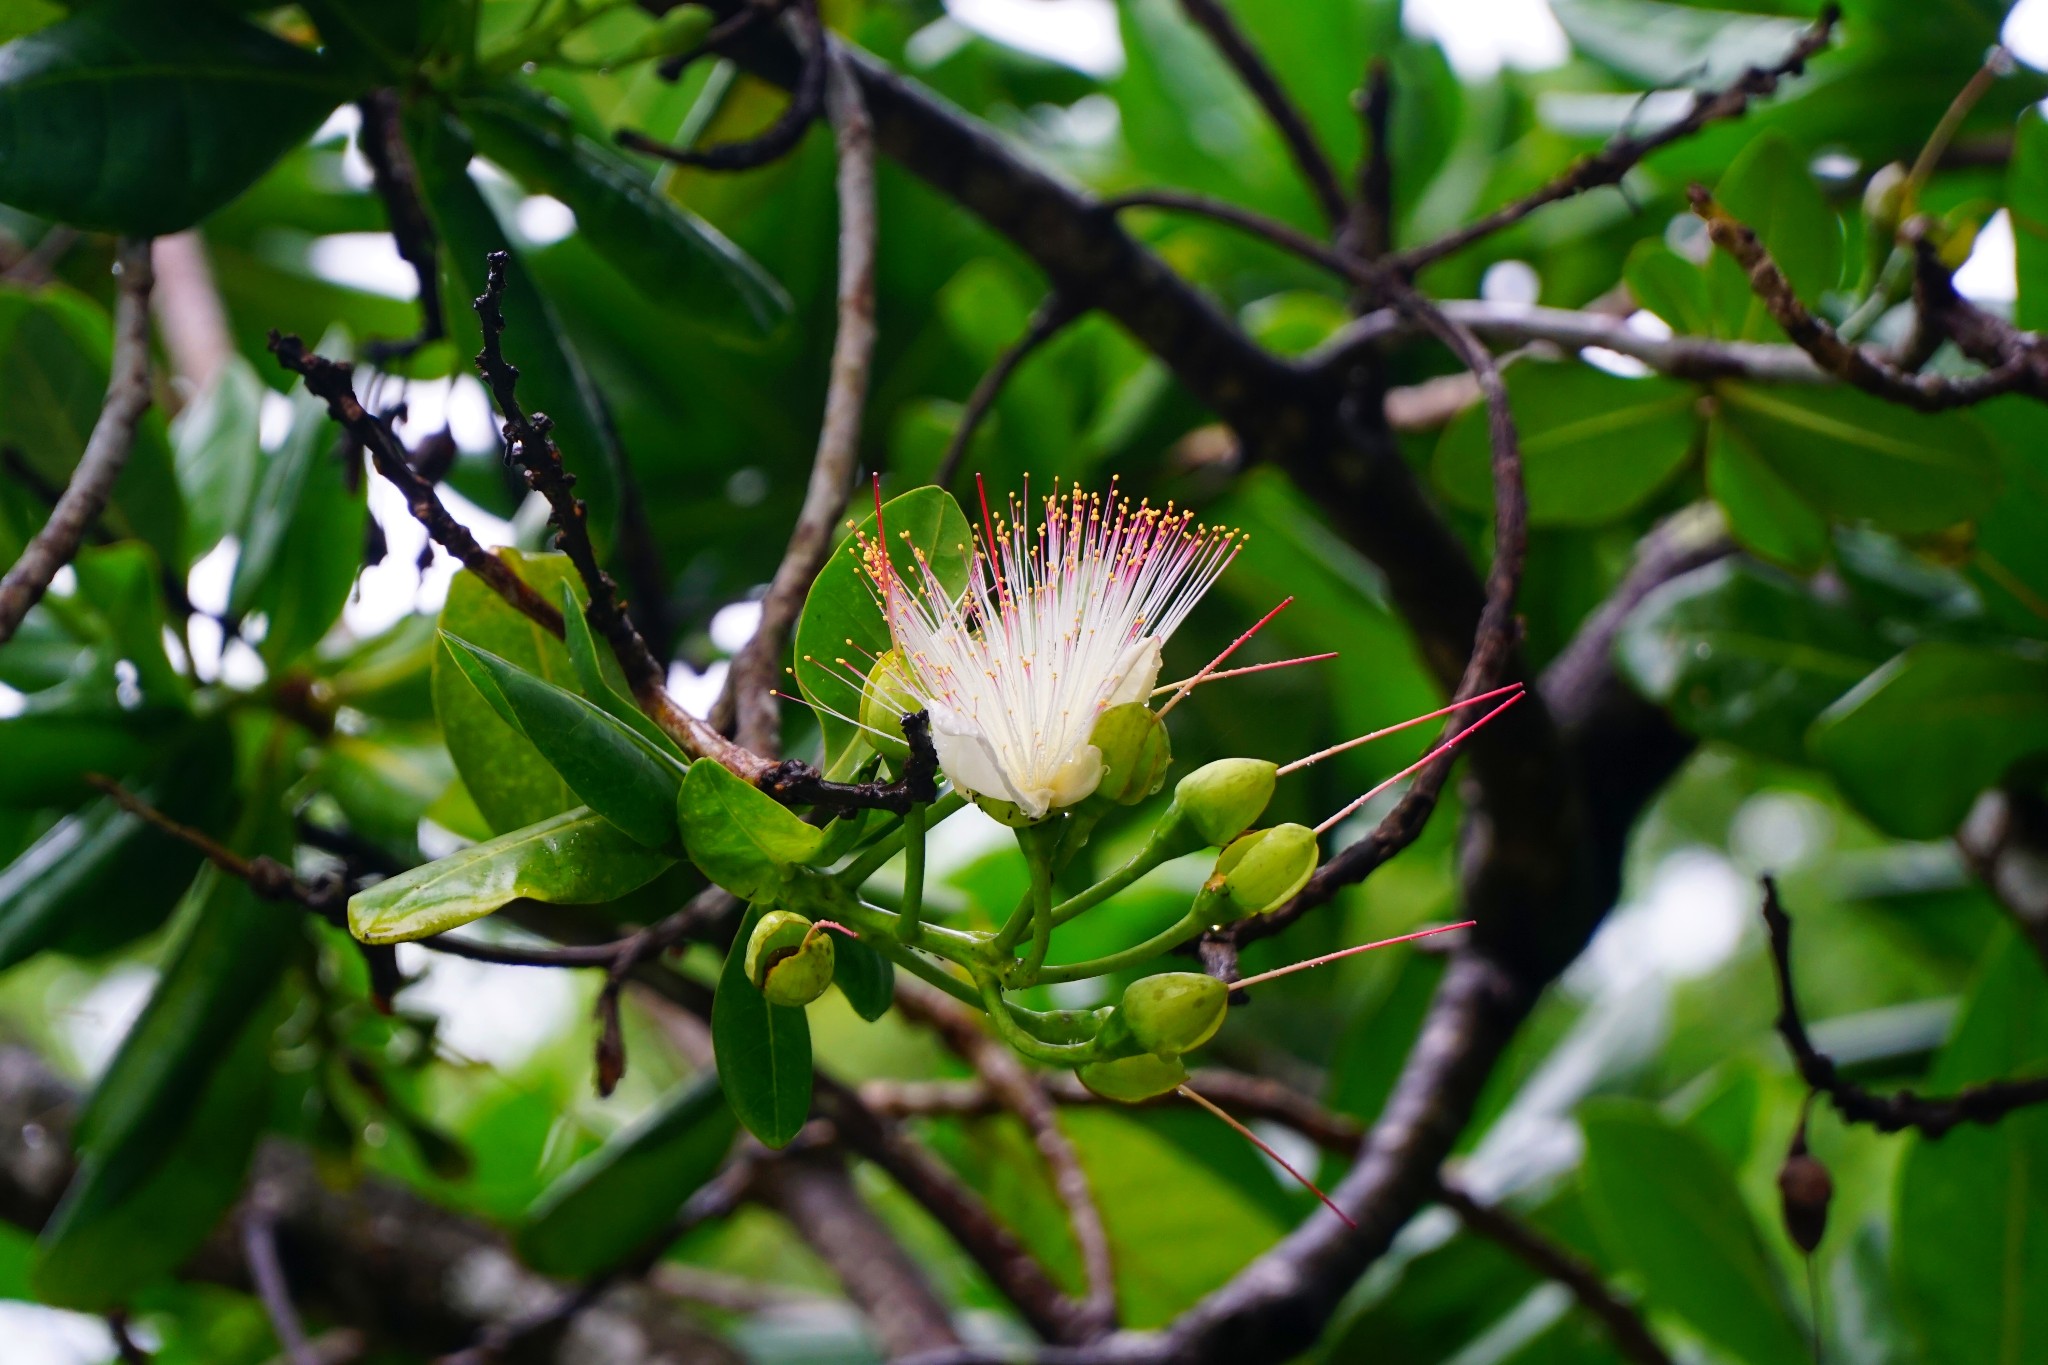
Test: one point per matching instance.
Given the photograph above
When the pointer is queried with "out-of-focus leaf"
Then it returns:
(867, 978)
(1765, 513)
(219, 453)
(1739, 653)
(738, 835)
(2026, 199)
(610, 766)
(1594, 445)
(1675, 44)
(575, 858)
(842, 621)
(384, 782)
(552, 376)
(1671, 287)
(389, 36)
(1916, 741)
(2011, 562)
(1970, 1245)
(1768, 188)
(507, 777)
(1667, 1206)
(55, 348)
(683, 261)
(606, 1205)
(133, 116)
(763, 1050)
(122, 584)
(136, 1210)
(1852, 456)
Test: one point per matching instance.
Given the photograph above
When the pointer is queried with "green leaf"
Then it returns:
(1768, 188)
(134, 116)
(219, 454)
(1671, 287)
(1852, 456)
(552, 375)
(1971, 1242)
(738, 835)
(609, 765)
(611, 1202)
(682, 261)
(575, 858)
(122, 585)
(595, 670)
(1594, 445)
(1740, 653)
(55, 348)
(867, 979)
(512, 784)
(1764, 512)
(2026, 199)
(1667, 44)
(763, 1050)
(135, 1213)
(1666, 1205)
(1916, 741)
(841, 608)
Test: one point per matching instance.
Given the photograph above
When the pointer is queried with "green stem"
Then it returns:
(913, 873)
(1164, 941)
(1021, 1040)
(1037, 843)
(1170, 839)
(931, 972)
(890, 844)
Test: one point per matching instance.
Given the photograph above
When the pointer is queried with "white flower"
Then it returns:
(1060, 621)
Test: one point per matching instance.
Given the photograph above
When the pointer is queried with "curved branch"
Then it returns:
(781, 137)
(1051, 315)
(106, 449)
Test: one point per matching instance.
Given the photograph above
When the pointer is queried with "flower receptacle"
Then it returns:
(1133, 1080)
(1222, 799)
(1174, 1012)
(1265, 868)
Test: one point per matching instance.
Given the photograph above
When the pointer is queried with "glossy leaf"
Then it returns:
(867, 979)
(598, 676)
(1666, 1205)
(575, 858)
(1852, 456)
(133, 116)
(842, 621)
(512, 784)
(1916, 742)
(1594, 445)
(610, 766)
(1983, 1296)
(2026, 199)
(1740, 653)
(763, 1050)
(682, 261)
(609, 1203)
(219, 455)
(738, 835)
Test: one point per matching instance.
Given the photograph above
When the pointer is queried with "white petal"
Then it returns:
(1077, 778)
(970, 760)
(1136, 672)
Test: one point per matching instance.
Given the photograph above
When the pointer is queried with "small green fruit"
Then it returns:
(1174, 1012)
(1133, 1080)
(789, 958)
(1135, 753)
(1266, 867)
(1221, 799)
(884, 702)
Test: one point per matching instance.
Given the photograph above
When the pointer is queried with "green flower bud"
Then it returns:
(1266, 867)
(1135, 753)
(789, 958)
(1221, 799)
(1174, 1012)
(884, 702)
(1133, 1080)
(1887, 199)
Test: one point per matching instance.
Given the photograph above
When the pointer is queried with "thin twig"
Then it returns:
(1861, 366)
(106, 449)
(1931, 1115)
(396, 180)
(1050, 316)
(125, 1345)
(1625, 1326)
(806, 102)
(1370, 232)
(266, 1272)
(1301, 142)
(749, 697)
(1608, 165)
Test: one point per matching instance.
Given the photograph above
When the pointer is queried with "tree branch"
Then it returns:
(396, 180)
(748, 695)
(1931, 1115)
(1608, 165)
(807, 101)
(1046, 322)
(106, 449)
(1315, 167)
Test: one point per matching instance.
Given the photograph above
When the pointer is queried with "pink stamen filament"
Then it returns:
(1228, 650)
(1254, 1140)
(1341, 953)
(1197, 680)
(1438, 752)
(1335, 749)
